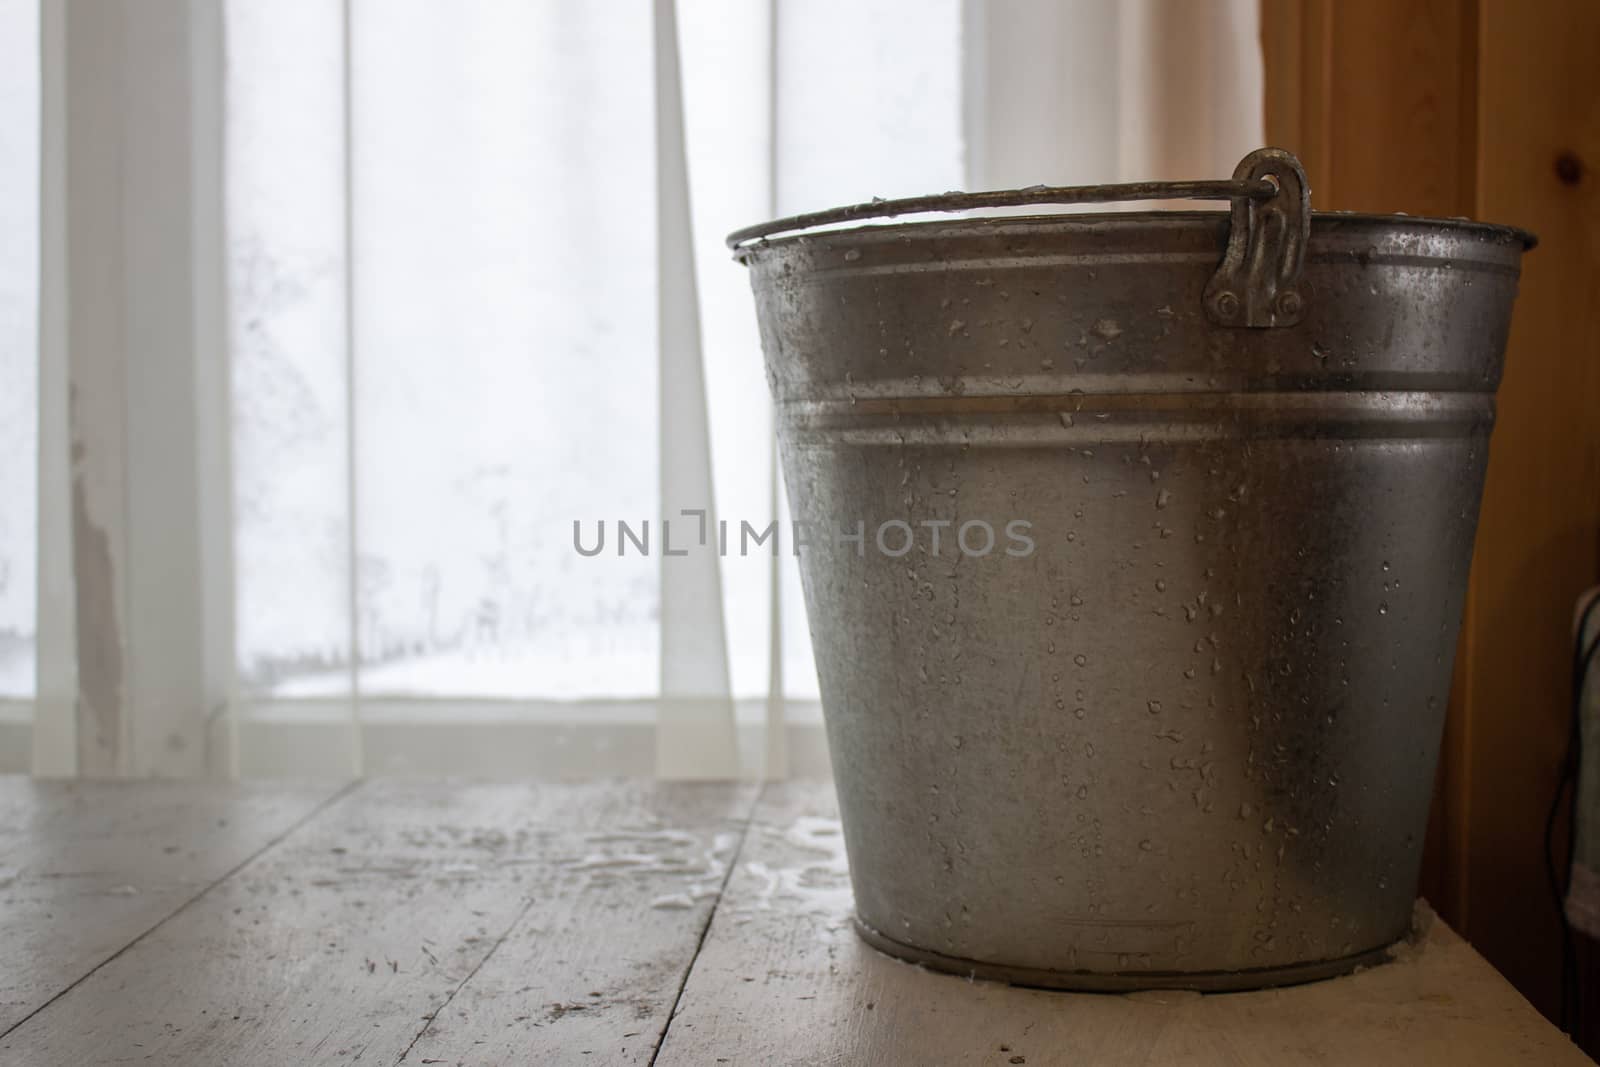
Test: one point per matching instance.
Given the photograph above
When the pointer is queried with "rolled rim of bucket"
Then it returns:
(1255, 179)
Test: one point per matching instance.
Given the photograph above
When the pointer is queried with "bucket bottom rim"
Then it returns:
(1127, 981)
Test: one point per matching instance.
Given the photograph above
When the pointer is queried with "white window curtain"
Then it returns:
(444, 287)
(19, 371)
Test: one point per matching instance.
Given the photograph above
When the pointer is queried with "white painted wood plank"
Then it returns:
(594, 968)
(132, 247)
(783, 979)
(54, 735)
(360, 931)
(87, 867)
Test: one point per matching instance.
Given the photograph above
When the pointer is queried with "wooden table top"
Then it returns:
(588, 923)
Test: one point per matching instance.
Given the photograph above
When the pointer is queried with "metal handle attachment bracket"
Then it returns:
(1258, 281)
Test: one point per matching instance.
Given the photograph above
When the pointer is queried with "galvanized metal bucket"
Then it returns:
(1180, 727)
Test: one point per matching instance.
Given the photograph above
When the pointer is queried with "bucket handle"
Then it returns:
(1257, 283)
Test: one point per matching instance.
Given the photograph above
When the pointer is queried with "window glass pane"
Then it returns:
(285, 190)
(19, 341)
(869, 101)
(502, 172)
(505, 378)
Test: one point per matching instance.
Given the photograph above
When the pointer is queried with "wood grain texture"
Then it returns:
(88, 867)
(1376, 97)
(783, 980)
(593, 969)
(356, 935)
(1539, 535)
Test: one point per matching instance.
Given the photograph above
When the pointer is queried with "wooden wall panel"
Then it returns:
(1487, 108)
(1539, 132)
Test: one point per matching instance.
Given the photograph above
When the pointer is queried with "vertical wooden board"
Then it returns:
(593, 968)
(783, 979)
(1295, 38)
(88, 867)
(133, 87)
(1376, 98)
(1399, 124)
(1539, 534)
(353, 936)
